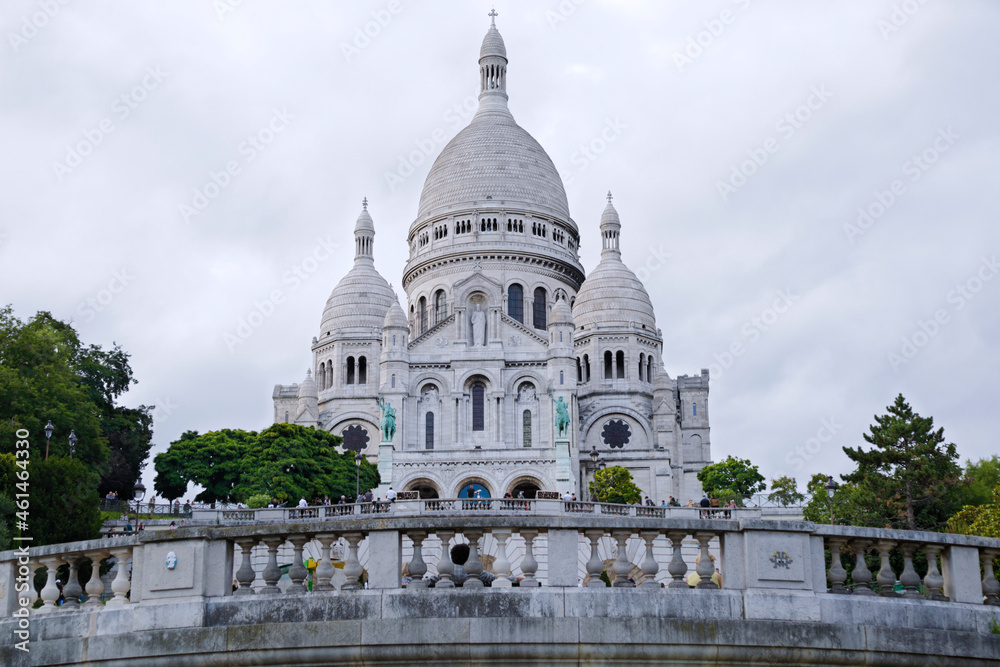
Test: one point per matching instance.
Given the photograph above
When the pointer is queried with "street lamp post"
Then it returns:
(593, 458)
(140, 491)
(48, 436)
(72, 443)
(357, 475)
(831, 488)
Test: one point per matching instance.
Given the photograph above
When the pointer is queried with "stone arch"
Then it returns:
(421, 484)
(488, 484)
(524, 375)
(521, 478)
(427, 377)
(641, 437)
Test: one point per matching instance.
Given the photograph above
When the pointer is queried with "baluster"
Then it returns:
(837, 574)
(73, 590)
(886, 577)
(991, 589)
(933, 581)
(705, 567)
(272, 573)
(501, 564)
(445, 566)
(325, 569)
(120, 586)
(50, 591)
(622, 566)
(909, 578)
(861, 574)
(473, 566)
(595, 565)
(417, 566)
(352, 567)
(298, 572)
(95, 587)
(32, 593)
(649, 566)
(245, 575)
(529, 566)
(677, 568)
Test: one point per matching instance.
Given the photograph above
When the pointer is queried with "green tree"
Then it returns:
(614, 485)
(213, 461)
(68, 487)
(8, 480)
(983, 520)
(733, 475)
(909, 477)
(981, 477)
(785, 491)
(130, 436)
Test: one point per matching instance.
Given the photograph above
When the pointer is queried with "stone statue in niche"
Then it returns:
(526, 394)
(429, 395)
(478, 326)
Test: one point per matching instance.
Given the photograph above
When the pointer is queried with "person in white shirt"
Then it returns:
(303, 503)
(390, 495)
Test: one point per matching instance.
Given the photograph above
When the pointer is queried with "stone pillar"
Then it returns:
(352, 567)
(94, 587)
(564, 557)
(32, 593)
(245, 575)
(933, 581)
(705, 569)
(649, 566)
(960, 567)
(622, 566)
(501, 565)
(50, 591)
(385, 562)
(473, 566)
(298, 572)
(677, 568)
(595, 565)
(837, 573)
(272, 573)
(861, 574)
(445, 567)
(121, 584)
(417, 566)
(886, 577)
(73, 590)
(909, 578)
(324, 569)
(991, 589)
(529, 566)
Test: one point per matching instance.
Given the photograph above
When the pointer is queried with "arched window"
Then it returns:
(423, 314)
(642, 363)
(649, 368)
(362, 370)
(515, 302)
(429, 431)
(579, 370)
(561, 378)
(350, 370)
(286, 416)
(440, 306)
(526, 428)
(321, 377)
(694, 409)
(586, 368)
(478, 407)
(607, 365)
(620, 364)
(329, 374)
(538, 309)
(393, 380)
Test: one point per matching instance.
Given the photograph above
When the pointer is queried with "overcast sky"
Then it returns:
(742, 141)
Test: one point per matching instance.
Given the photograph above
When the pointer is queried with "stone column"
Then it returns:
(991, 589)
(501, 565)
(473, 566)
(94, 587)
(595, 565)
(445, 566)
(933, 581)
(325, 569)
(649, 566)
(245, 575)
(837, 573)
(73, 590)
(352, 567)
(121, 584)
(298, 572)
(705, 569)
(622, 566)
(861, 574)
(529, 566)
(909, 578)
(417, 567)
(886, 577)
(32, 593)
(677, 568)
(50, 591)
(272, 573)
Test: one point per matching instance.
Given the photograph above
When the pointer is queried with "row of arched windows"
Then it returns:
(423, 315)
(515, 305)
(355, 372)
(614, 366)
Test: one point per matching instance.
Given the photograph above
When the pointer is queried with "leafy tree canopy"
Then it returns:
(981, 478)
(284, 461)
(614, 485)
(983, 520)
(785, 492)
(731, 475)
(909, 477)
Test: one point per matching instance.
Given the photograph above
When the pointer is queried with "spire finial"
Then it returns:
(609, 196)
(493, 17)
(364, 203)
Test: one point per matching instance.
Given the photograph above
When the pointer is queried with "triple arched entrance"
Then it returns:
(475, 487)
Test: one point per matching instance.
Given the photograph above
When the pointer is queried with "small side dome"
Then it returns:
(308, 387)
(395, 318)
(561, 313)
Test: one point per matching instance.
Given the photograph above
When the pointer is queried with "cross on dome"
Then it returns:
(364, 203)
(609, 196)
(493, 17)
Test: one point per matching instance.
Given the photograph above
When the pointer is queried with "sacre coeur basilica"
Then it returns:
(509, 364)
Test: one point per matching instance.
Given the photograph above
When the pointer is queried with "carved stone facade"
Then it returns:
(500, 322)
